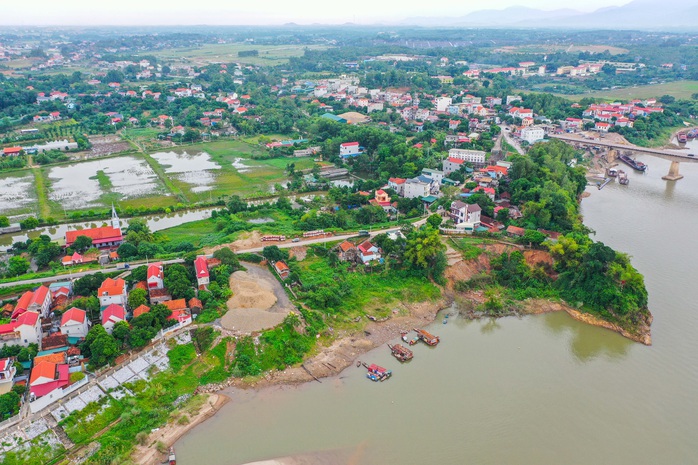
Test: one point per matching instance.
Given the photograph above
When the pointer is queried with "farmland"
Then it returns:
(269, 55)
(678, 89)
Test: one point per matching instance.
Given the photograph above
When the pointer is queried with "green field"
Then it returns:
(269, 55)
(678, 89)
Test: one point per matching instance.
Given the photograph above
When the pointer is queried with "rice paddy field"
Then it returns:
(269, 55)
(182, 175)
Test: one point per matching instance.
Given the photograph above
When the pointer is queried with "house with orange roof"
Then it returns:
(202, 275)
(46, 377)
(195, 306)
(102, 237)
(74, 323)
(180, 311)
(38, 301)
(72, 259)
(140, 310)
(346, 251)
(112, 291)
(282, 269)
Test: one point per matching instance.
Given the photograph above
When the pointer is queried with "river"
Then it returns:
(542, 389)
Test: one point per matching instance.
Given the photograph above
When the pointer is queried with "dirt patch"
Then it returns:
(536, 257)
(107, 145)
(170, 433)
(298, 252)
(466, 270)
(259, 301)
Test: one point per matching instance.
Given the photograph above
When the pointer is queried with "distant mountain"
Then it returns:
(665, 15)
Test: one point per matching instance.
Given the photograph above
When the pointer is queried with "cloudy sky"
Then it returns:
(168, 12)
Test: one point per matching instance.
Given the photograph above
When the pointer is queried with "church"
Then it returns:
(102, 237)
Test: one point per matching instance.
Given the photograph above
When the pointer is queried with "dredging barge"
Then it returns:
(401, 352)
(631, 162)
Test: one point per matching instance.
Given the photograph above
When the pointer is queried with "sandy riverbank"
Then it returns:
(148, 454)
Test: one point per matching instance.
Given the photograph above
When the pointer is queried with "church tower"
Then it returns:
(115, 222)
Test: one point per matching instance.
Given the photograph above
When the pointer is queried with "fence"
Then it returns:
(56, 394)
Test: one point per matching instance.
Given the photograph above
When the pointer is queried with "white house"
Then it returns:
(74, 323)
(24, 331)
(442, 103)
(398, 185)
(416, 188)
(202, 275)
(350, 149)
(436, 175)
(473, 156)
(368, 252)
(450, 165)
(112, 291)
(156, 276)
(532, 134)
(602, 127)
(7, 374)
(465, 215)
(111, 316)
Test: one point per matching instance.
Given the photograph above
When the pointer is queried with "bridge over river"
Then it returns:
(675, 156)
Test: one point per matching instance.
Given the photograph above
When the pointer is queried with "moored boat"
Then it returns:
(623, 178)
(171, 459)
(612, 172)
(401, 352)
(631, 162)
(682, 137)
(378, 373)
(428, 338)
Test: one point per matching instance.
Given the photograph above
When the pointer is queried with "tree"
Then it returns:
(9, 405)
(236, 204)
(274, 254)
(434, 220)
(178, 282)
(29, 223)
(127, 250)
(227, 257)
(82, 243)
(137, 297)
(138, 231)
(423, 248)
(100, 347)
(122, 334)
(17, 266)
(4, 221)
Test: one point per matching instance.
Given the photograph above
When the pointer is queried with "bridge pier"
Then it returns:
(673, 174)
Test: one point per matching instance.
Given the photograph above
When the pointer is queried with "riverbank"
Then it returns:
(165, 437)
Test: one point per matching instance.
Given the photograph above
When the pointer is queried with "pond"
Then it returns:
(196, 170)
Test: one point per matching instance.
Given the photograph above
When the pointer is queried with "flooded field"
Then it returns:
(194, 170)
(86, 184)
(17, 194)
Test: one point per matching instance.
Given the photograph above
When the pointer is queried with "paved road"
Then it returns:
(283, 245)
(510, 140)
(79, 274)
(678, 154)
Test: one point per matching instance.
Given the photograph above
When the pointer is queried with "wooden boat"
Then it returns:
(612, 172)
(378, 373)
(410, 341)
(623, 178)
(682, 137)
(401, 352)
(426, 337)
(631, 162)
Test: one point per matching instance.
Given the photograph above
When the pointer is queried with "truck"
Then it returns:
(122, 266)
(364, 233)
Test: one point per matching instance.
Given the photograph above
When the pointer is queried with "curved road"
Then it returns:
(284, 245)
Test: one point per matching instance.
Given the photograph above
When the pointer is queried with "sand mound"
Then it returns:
(249, 292)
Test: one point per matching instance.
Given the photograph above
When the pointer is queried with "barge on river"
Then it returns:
(623, 178)
(428, 338)
(631, 162)
(377, 373)
(401, 352)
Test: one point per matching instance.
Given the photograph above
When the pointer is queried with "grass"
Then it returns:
(176, 191)
(269, 55)
(467, 247)
(103, 180)
(41, 192)
(552, 48)
(678, 89)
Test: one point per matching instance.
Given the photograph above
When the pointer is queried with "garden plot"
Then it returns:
(83, 185)
(197, 171)
(17, 193)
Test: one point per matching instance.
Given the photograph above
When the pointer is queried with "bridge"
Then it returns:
(674, 156)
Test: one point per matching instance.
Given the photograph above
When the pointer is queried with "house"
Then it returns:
(24, 331)
(516, 231)
(195, 306)
(7, 374)
(442, 103)
(472, 156)
(350, 149)
(74, 323)
(38, 301)
(488, 191)
(140, 310)
(451, 165)
(111, 316)
(398, 185)
(382, 199)
(416, 188)
(435, 175)
(7, 151)
(112, 291)
(180, 312)
(202, 275)
(74, 259)
(156, 276)
(47, 377)
(368, 252)
(522, 113)
(602, 127)
(465, 215)
(282, 269)
(453, 124)
(346, 251)
(105, 236)
(532, 134)
(573, 123)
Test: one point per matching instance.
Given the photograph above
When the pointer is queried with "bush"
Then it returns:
(77, 376)
(250, 257)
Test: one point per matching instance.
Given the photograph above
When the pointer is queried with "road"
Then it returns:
(79, 274)
(677, 155)
(506, 131)
(284, 245)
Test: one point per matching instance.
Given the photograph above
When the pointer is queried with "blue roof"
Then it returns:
(52, 351)
(424, 178)
(429, 199)
(336, 118)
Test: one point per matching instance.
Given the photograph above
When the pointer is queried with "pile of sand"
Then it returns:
(249, 292)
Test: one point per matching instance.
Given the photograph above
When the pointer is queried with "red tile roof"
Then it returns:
(140, 310)
(111, 287)
(114, 313)
(346, 246)
(43, 370)
(28, 318)
(74, 314)
(174, 305)
(201, 267)
(280, 266)
(98, 235)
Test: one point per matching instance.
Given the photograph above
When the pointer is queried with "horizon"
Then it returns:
(73, 13)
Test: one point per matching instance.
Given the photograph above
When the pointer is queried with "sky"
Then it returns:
(253, 12)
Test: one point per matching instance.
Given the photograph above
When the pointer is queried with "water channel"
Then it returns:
(543, 389)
